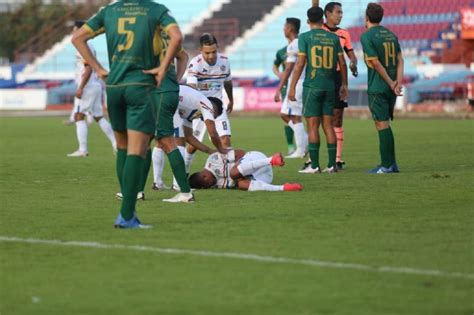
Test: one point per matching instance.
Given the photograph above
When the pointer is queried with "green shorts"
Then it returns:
(132, 107)
(166, 106)
(317, 103)
(382, 106)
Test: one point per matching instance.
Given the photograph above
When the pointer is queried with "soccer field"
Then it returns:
(350, 243)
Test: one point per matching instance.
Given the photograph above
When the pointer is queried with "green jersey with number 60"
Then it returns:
(321, 49)
(380, 43)
(133, 29)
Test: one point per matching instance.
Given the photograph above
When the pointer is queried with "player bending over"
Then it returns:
(250, 171)
(193, 105)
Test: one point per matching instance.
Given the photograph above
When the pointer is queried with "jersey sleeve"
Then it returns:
(292, 53)
(96, 24)
(277, 62)
(193, 70)
(302, 46)
(397, 47)
(348, 42)
(167, 20)
(229, 72)
(206, 110)
(369, 49)
(186, 123)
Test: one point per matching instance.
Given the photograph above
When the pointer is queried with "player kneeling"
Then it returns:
(250, 171)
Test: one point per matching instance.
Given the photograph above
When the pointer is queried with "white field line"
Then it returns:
(250, 257)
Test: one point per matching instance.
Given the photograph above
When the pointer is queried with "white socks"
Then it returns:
(256, 185)
(81, 131)
(301, 138)
(248, 168)
(107, 129)
(158, 158)
(188, 160)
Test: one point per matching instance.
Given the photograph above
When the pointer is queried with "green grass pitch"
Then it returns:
(421, 219)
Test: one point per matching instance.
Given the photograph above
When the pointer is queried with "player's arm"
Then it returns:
(174, 46)
(284, 80)
(229, 89)
(192, 140)
(215, 139)
(375, 63)
(79, 40)
(353, 62)
(400, 74)
(192, 79)
(343, 92)
(277, 72)
(300, 64)
(182, 59)
(84, 79)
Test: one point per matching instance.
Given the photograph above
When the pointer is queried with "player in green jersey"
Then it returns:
(280, 62)
(131, 27)
(384, 61)
(320, 51)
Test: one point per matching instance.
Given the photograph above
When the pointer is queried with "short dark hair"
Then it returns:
(207, 39)
(315, 15)
(196, 182)
(374, 12)
(330, 6)
(295, 23)
(79, 23)
(217, 105)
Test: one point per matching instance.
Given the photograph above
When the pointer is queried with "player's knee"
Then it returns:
(79, 116)
(235, 173)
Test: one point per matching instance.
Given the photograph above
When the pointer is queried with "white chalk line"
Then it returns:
(250, 257)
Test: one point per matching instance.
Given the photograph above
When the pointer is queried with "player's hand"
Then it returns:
(353, 67)
(397, 89)
(343, 92)
(102, 74)
(79, 93)
(292, 95)
(211, 151)
(230, 107)
(159, 74)
(277, 97)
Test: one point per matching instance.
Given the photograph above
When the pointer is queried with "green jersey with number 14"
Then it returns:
(380, 43)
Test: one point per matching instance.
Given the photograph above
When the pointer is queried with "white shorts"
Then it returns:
(222, 126)
(91, 101)
(293, 108)
(178, 125)
(263, 174)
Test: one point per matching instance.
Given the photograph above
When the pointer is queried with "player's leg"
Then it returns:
(145, 172)
(254, 161)
(285, 113)
(180, 143)
(158, 158)
(167, 103)
(140, 125)
(312, 113)
(81, 127)
(338, 116)
(256, 185)
(381, 107)
(329, 100)
(296, 123)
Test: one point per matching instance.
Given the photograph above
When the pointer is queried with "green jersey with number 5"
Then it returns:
(380, 43)
(321, 49)
(133, 29)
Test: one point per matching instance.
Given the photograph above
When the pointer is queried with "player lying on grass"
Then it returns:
(250, 171)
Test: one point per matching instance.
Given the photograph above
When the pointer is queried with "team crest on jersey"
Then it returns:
(218, 172)
(223, 68)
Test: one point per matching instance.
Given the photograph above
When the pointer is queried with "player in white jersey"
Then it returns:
(89, 99)
(250, 171)
(210, 73)
(193, 105)
(291, 112)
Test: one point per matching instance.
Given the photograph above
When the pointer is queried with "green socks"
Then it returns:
(179, 171)
(332, 149)
(387, 147)
(132, 173)
(121, 158)
(146, 169)
(313, 149)
(289, 137)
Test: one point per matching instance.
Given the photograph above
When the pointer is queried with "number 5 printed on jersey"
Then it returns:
(122, 22)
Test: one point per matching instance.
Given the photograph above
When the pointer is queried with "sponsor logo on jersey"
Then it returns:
(223, 68)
